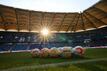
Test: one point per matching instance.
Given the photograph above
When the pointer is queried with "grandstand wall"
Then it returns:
(14, 41)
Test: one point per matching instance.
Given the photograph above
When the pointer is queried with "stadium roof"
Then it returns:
(21, 20)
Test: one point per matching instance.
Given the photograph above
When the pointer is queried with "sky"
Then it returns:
(51, 5)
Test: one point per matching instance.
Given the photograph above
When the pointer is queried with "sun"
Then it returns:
(45, 32)
(45, 35)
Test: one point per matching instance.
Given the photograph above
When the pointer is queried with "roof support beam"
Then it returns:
(101, 11)
(42, 17)
(4, 23)
(89, 21)
(96, 18)
(29, 25)
(75, 25)
(60, 26)
(50, 24)
(83, 25)
(70, 25)
(17, 20)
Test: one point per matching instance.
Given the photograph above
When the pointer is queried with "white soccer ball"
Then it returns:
(44, 52)
(66, 52)
(54, 52)
(78, 50)
(67, 49)
(35, 52)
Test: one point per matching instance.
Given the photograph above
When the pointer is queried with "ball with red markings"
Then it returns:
(78, 50)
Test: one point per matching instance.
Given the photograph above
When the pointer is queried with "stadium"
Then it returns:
(32, 40)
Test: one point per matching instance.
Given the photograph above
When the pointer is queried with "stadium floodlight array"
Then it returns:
(64, 52)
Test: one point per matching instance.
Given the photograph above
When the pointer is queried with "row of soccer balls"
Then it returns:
(65, 52)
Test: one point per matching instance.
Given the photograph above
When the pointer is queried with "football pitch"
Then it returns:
(24, 62)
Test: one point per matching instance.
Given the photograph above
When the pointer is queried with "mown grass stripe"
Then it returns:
(24, 68)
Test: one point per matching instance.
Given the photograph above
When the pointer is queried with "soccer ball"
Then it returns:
(54, 52)
(66, 52)
(67, 49)
(35, 52)
(60, 49)
(44, 52)
(78, 50)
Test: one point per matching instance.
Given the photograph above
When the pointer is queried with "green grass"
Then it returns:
(92, 66)
(96, 53)
(11, 60)
(22, 59)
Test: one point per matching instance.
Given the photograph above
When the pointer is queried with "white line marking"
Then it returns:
(24, 68)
